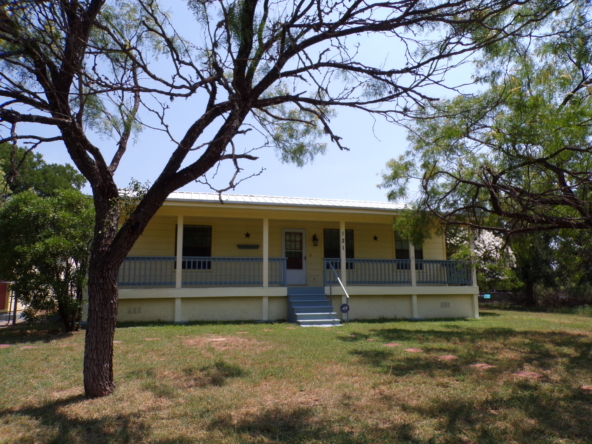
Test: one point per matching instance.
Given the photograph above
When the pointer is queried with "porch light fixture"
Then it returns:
(315, 240)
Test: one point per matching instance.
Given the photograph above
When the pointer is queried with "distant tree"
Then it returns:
(4, 189)
(573, 255)
(517, 157)
(80, 68)
(45, 249)
(536, 263)
(24, 170)
(494, 260)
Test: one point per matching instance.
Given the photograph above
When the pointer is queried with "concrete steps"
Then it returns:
(309, 307)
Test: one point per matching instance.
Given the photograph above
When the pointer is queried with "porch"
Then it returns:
(161, 271)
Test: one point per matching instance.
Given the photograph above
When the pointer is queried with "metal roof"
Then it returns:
(248, 199)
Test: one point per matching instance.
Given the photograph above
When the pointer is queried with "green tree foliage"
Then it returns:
(516, 157)
(26, 170)
(4, 189)
(494, 260)
(44, 250)
(536, 263)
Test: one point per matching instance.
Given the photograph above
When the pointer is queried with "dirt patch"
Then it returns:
(482, 366)
(67, 393)
(226, 343)
(217, 374)
(527, 375)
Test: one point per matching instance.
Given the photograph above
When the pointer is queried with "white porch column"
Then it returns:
(342, 252)
(265, 307)
(474, 274)
(178, 309)
(412, 265)
(179, 273)
(473, 267)
(414, 309)
(265, 254)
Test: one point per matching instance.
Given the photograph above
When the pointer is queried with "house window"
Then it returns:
(197, 242)
(331, 243)
(402, 251)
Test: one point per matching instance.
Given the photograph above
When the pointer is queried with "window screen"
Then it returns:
(402, 250)
(331, 245)
(197, 242)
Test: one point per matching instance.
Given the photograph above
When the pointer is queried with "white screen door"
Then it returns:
(294, 248)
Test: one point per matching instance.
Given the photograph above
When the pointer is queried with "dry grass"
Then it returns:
(250, 383)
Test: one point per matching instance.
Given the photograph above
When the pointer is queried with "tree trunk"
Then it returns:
(102, 314)
(65, 315)
(529, 297)
(102, 296)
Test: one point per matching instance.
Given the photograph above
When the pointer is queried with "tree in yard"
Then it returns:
(82, 67)
(4, 189)
(573, 257)
(517, 157)
(494, 260)
(44, 250)
(535, 263)
(25, 169)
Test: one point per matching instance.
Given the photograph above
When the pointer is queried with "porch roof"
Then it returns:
(308, 202)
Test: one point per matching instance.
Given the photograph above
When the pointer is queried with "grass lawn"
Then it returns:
(275, 383)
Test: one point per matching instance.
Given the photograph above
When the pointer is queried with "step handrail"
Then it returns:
(338, 280)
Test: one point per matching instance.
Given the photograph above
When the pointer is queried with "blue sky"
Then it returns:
(338, 174)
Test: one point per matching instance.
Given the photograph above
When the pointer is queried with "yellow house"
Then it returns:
(270, 258)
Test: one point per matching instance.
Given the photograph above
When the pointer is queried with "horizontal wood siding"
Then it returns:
(158, 238)
(433, 248)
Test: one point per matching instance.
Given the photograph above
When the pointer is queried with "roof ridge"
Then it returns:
(283, 197)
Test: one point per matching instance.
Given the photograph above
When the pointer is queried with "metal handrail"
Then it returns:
(338, 280)
(331, 287)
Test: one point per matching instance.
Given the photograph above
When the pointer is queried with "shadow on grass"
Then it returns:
(528, 413)
(304, 424)
(214, 375)
(508, 350)
(20, 334)
(58, 427)
(488, 314)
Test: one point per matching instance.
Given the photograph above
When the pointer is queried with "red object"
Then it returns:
(3, 296)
